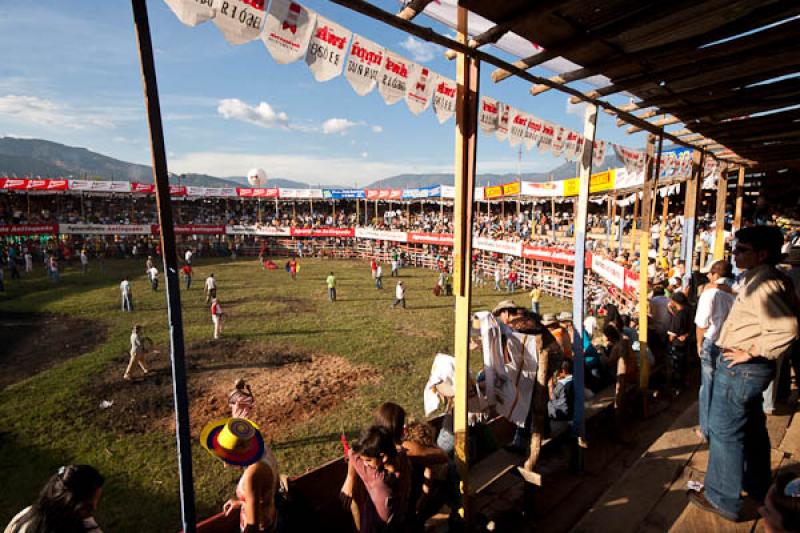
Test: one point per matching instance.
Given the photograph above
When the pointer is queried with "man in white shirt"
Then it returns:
(84, 261)
(127, 295)
(399, 295)
(210, 288)
(188, 256)
(152, 273)
(379, 277)
(712, 309)
(137, 353)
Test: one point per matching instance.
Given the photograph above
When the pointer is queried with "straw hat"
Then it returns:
(564, 316)
(505, 305)
(236, 441)
(549, 319)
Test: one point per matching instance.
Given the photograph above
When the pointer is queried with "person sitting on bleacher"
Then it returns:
(622, 361)
(561, 400)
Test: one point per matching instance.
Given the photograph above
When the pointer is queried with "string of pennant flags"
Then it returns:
(291, 32)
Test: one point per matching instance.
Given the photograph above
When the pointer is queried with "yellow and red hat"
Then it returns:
(236, 441)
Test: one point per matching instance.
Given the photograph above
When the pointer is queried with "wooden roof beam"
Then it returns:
(682, 133)
(413, 8)
(647, 114)
(658, 123)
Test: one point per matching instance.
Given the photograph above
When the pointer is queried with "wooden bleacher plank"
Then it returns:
(629, 501)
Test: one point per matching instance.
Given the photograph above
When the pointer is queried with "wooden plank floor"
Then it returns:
(651, 495)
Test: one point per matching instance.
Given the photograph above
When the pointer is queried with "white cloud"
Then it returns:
(337, 125)
(261, 115)
(32, 109)
(420, 51)
(576, 109)
(364, 155)
(377, 129)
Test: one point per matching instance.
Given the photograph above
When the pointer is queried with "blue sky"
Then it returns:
(70, 73)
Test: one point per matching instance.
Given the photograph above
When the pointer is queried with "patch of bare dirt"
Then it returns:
(35, 342)
(290, 386)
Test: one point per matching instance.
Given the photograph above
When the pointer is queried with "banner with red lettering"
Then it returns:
(546, 139)
(547, 189)
(503, 120)
(631, 281)
(192, 12)
(246, 192)
(2, 183)
(29, 229)
(326, 50)
(533, 132)
(444, 98)
(100, 186)
(559, 141)
(517, 128)
(609, 270)
(257, 229)
(571, 145)
(420, 89)
(323, 232)
(549, 254)
(143, 188)
(106, 229)
(439, 239)
(488, 114)
(177, 190)
(634, 160)
(288, 30)
(16, 184)
(240, 21)
(364, 64)
(394, 77)
(501, 247)
(598, 152)
(381, 235)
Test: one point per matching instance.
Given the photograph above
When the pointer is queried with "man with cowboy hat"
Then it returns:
(505, 311)
(239, 442)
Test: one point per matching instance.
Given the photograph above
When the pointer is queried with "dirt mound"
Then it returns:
(34, 342)
(290, 386)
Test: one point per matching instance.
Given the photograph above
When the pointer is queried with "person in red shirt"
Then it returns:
(293, 268)
(216, 317)
(187, 275)
(374, 267)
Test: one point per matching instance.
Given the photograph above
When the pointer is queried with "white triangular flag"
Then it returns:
(533, 132)
(191, 12)
(394, 77)
(420, 89)
(444, 98)
(599, 153)
(240, 21)
(488, 114)
(517, 128)
(503, 120)
(559, 140)
(288, 30)
(364, 64)
(571, 145)
(546, 140)
(327, 48)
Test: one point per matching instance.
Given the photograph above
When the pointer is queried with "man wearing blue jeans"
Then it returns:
(761, 325)
(713, 307)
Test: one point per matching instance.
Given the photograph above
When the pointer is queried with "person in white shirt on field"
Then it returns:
(152, 274)
(712, 309)
(137, 353)
(84, 261)
(216, 317)
(379, 277)
(28, 263)
(188, 256)
(399, 295)
(210, 288)
(127, 295)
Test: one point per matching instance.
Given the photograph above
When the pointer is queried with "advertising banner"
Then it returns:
(381, 235)
(339, 194)
(323, 232)
(143, 188)
(257, 229)
(609, 270)
(501, 247)
(106, 229)
(192, 229)
(599, 182)
(300, 194)
(246, 192)
(547, 189)
(439, 239)
(551, 255)
(29, 229)
(99, 186)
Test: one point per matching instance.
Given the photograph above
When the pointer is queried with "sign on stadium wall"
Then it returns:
(300, 193)
(106, 229)
(609, 270)
(551, 255)
(29, 229)
(501, 247)
(381, 235)
(439, 239)
(631, 281)
(323, 232)
(545, 189)
(99, 186)
(211, 192)
(422, 192)
(343, 194)
(599, 182)
(264, 231)
(246, 192)
(192, 229)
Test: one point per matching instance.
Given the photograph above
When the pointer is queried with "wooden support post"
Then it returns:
(635, 221)
(174, 314)
(621, 228)
(376, 210)
(690, 213)
(650, 181)
(663, 227)
(553, 214)
(737, 219)
(582, 205)
(722, 198)
(467, 79)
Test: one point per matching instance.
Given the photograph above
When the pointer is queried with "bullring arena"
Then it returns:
(618, 350)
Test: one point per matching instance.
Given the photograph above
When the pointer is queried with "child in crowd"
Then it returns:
(562, 396)
(424, 434)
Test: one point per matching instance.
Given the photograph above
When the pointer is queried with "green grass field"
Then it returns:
(48, 419)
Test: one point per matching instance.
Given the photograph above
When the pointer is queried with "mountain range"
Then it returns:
(47, 159)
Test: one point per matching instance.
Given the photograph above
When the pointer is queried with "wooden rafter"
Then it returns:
(413, 8)
(658, 123)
